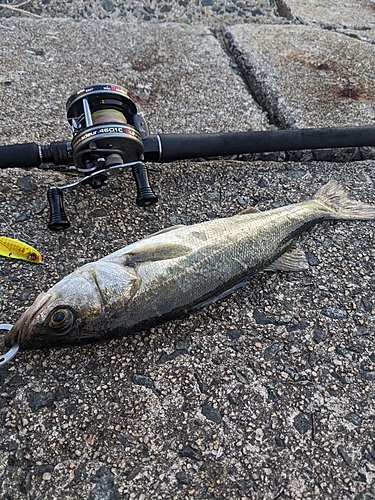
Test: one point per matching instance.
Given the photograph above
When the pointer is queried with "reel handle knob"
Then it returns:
(58, 220)
(145, 195)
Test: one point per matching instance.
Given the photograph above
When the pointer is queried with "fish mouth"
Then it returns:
(18, 333)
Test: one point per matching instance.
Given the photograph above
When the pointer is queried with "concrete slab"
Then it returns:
(357, 14)
(209, 12)
(306, 76)
(181, 78)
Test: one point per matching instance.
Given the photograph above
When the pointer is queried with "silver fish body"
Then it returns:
(173, 271)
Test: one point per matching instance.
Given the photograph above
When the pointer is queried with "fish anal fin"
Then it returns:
(294, 259)
(158, 251)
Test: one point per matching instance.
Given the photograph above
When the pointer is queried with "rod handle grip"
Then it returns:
(20, 155)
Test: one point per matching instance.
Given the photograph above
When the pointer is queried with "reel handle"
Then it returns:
(145, 194)
(58, 221)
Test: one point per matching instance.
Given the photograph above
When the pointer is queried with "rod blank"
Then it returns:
(185, 146)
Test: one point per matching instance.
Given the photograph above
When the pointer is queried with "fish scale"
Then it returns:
(210, 269)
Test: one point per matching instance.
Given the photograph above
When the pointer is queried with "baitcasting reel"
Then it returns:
(108, 136)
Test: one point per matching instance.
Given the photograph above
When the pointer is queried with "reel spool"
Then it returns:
(108, 135)
(105, 123)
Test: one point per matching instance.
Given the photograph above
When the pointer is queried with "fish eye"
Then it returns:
(60, 321)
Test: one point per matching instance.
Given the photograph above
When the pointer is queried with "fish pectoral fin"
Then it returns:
(159, 251)
(294, 259)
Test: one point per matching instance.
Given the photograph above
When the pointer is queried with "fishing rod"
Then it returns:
(109, 136)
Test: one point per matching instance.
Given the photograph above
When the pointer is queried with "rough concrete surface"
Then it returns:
(358, 14)
(266, 394)
(210, 12)
(305, 76)
(161, 64)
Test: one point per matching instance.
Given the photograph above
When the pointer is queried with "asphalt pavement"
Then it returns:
(266, 394)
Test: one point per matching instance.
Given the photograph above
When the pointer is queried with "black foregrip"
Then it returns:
(20, 155)
(185, 146)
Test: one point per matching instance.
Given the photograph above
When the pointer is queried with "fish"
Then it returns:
(174, 271)
(17, 249)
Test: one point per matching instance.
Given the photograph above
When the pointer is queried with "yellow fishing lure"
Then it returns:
(16, 249)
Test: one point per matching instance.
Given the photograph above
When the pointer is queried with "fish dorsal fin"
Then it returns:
(165, 230)
(294, 259)
(157, 251)
(249, 210)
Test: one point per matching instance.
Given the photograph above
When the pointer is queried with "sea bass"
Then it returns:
(174, 271)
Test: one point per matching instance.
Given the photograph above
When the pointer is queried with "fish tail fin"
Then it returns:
(339, 206)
